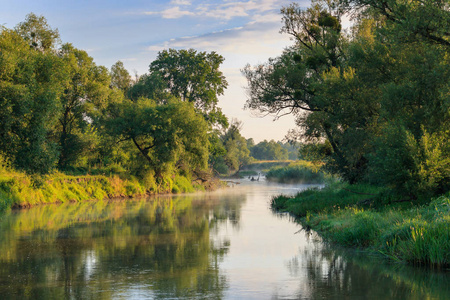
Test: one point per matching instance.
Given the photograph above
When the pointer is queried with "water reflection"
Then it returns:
(223, 245)
(159, 247)
(333, 273)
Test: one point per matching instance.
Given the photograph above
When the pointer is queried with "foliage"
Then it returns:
(369, 105)
(237, 154)
(417, 235)
(298, 172)
(29, 103)
(37, 33)
(60, 110)
(86, 91)
(120, 78)
(167, 135)
(269, 150)
(193, 77)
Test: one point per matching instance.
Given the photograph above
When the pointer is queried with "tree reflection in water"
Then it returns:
(158, 248)
(334, 273)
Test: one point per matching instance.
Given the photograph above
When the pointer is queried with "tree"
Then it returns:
(193, 77)
(425, 19)
(269, 151)
(29, 103)
(86, 92)
(237, 154)
(120, 77)
(373, 105)
(37, 33)
(170, 135)
(314, 81)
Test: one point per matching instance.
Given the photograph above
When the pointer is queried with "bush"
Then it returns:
(299, 172)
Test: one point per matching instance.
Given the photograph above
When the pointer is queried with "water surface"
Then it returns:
(222, 245)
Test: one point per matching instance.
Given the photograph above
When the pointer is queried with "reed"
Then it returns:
(405, 233)
(297, 172)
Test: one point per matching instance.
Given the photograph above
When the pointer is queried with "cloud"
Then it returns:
(220, 10)
(171, 13)
(255, 38)
(180, 2)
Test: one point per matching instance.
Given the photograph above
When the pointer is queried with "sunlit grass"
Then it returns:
(414, 234)
(22, 190)
(297, 172)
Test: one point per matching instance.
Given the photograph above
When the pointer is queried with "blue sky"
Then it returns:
(134, 31)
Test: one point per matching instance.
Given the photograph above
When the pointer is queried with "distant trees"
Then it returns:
(374, 104)
(269, 151)
(237, 154)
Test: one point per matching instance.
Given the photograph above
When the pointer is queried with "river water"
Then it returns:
(225, 244)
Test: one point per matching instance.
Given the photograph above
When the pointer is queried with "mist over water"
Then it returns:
(226, 244)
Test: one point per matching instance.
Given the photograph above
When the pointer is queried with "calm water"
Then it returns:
(221, 245)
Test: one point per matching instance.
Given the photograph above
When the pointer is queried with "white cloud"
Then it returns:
(180, 2)
(171, 13)
(220, 10)
(253, 39)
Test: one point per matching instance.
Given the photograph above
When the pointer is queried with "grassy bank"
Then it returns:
(297, 172)
(21, 190)
(261, 166)
(355, 216)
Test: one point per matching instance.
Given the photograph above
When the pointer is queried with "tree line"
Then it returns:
(372, 101)
(59, 110)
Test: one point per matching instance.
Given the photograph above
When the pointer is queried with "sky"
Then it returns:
(133, 31)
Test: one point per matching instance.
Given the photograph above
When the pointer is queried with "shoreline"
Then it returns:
(20, 191)
(402, 232)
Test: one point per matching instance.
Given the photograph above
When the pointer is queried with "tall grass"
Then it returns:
(407, 233)
(297, 172)
(21, 190)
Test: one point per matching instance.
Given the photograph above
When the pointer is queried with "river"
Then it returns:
(226, 244)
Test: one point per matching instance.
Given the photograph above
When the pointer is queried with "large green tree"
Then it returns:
(378, 99)
(313, 81)
(170, 135)
(87, 91)
(30, 90)
(193, 77)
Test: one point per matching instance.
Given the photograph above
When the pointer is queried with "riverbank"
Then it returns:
(19, 190)
(361, 217)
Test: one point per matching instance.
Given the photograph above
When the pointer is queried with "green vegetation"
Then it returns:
(22, 190)
(349, 215)
(61, 115)
(372, 105)
(367, 103)
(297, 172)
(230, 153)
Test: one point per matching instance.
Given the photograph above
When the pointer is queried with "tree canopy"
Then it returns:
(375, 100)
(59, 109)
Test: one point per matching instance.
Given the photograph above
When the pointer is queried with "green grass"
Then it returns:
(402, 232)
(21, 190)
(265, 165)
(297, 172)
